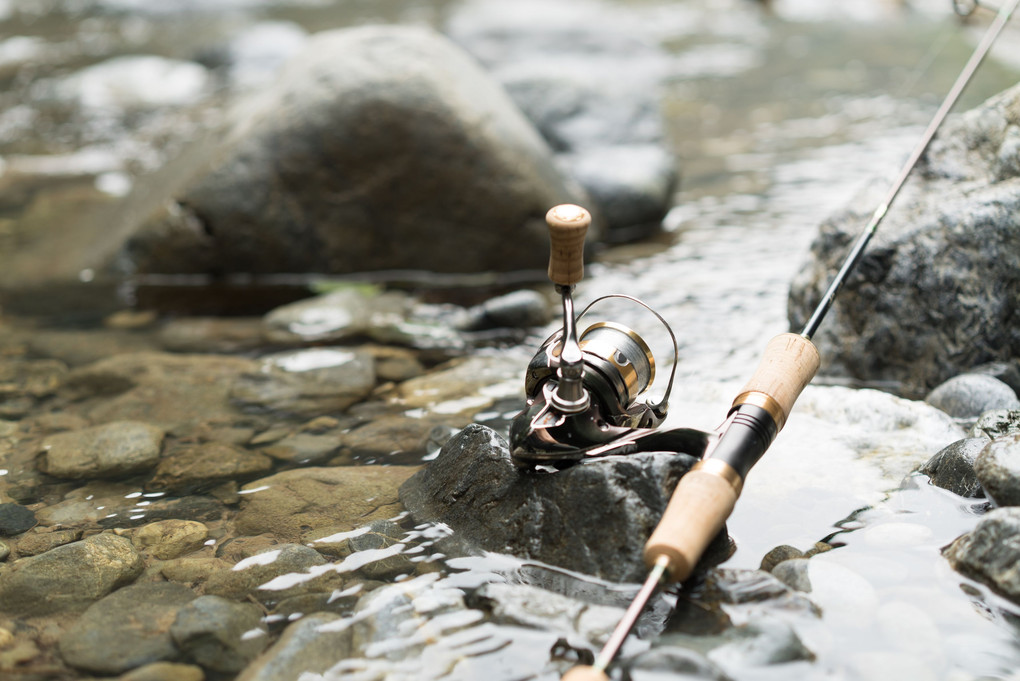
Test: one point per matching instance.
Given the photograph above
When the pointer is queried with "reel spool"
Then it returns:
(618, 368)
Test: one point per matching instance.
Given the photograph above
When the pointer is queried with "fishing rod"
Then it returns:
(582, 393)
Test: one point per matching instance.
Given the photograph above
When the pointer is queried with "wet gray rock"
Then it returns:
(989, 553)
(398, 319)
(311, 645)
(56, 580)
(307, 383)
(518, 310)
(410, 141)
(967, 396)
(704, 609)
(677, 662)
(218, 634)
(341, 315)
(462, 387)
(996, 423)
(935, 293)
(593, 518)
(202, 467)
(997, 468)
(294, 504)
(1007, 372)
(127, 629)
(529, 606)
(794, 574)
(952, 468)
(15, 519)
(112, 450)
(763, 641)
(778, 555)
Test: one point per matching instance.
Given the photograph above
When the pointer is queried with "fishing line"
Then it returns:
(1001, 19)
(707, 494)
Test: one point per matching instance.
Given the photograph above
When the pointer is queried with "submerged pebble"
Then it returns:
(293, 504)
(54, 581)
(127, 629)
(167, 539)
(34, 543)
(112, 450)
(198, 468)
(221, 635)
(307, 383)
(15, 519)
(310, 645)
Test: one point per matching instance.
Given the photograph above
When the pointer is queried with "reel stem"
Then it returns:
(570, 396)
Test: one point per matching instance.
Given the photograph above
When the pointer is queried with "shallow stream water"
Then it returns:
(776, 117)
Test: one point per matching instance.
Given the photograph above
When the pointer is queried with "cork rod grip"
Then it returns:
(788, 365)
(568, 225)
(696, 512)
(585, 673)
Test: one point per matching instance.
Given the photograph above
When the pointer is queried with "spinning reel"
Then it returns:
(582, 390)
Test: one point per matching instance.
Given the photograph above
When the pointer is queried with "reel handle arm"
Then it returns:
(568, 225)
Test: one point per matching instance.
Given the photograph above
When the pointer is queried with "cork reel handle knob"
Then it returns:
(568, 225)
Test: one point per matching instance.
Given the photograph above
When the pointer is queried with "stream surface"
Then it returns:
(777, 119)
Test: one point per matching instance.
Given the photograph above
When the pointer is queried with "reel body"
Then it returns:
(617, 367)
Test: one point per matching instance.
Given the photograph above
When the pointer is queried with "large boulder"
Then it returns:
(379, 147)
(593, 517)
(934, 295)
